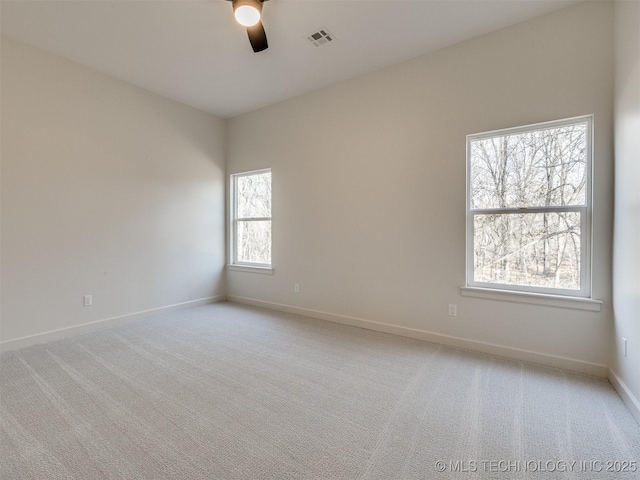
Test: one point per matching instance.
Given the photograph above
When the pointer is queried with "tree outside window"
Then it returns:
(529, 208)
(251, 223)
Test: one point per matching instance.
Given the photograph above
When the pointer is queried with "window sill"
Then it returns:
(250, 269)
(576, 303)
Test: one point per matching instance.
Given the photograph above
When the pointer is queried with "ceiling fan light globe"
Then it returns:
(247, 16)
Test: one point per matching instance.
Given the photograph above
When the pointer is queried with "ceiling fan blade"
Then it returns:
(257, 37)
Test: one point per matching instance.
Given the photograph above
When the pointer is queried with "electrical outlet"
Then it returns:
(624, 347)
(296, 288)
(453, 310)
(88, 300)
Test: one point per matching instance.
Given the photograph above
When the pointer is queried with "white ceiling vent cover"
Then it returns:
(320, 37)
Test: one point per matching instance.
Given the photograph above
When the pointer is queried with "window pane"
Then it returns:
(530, 169)
(254, 195)
(253, 242)
(531, 249)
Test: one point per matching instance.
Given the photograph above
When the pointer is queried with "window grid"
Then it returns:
(237, 221)
(583, 210)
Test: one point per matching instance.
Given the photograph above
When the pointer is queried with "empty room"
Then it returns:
(319, 239)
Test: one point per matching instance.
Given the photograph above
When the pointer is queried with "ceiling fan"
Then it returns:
(248, 14)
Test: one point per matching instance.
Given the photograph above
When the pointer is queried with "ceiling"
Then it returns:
(194, 52)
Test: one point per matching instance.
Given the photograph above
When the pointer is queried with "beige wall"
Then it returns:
(626, 253)
(107, 190)
(369, 182)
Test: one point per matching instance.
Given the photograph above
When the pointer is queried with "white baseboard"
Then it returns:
(44, 337)
(463, 343)
(629, 399)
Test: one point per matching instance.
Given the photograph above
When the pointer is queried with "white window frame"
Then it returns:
(234, 264)
(585, 210)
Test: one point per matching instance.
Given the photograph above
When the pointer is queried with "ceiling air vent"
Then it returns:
(320, 38)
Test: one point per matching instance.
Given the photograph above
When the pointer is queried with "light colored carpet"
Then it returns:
(225, 391)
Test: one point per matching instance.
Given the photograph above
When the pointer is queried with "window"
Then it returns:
(529, 208)
(251, 219)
